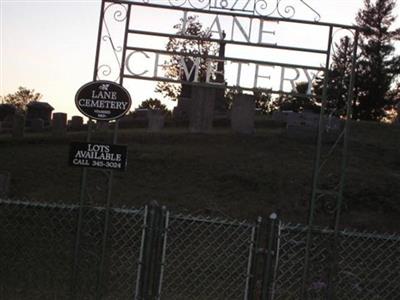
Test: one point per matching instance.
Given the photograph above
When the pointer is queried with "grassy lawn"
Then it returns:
(220, 173)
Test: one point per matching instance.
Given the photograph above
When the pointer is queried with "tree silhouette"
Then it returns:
(298, 102)
(173, 70)
(154, 104)
(339, 79)
(378, 66)
(22, 97)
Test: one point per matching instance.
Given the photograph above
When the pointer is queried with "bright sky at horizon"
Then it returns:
(49, 45)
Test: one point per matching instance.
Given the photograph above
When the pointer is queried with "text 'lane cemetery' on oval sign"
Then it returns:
(103, 100)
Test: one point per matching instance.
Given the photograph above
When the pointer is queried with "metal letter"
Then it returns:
(310, 80)
(195, 68)
(235, 20)
(127, 63)
(260, 33)
(256, 75)
(291, 80)
(184, 22)
(156, 65)
(220, 32)
(211, 71)
(239, 71)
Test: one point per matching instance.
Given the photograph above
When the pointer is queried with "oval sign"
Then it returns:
(103, 100)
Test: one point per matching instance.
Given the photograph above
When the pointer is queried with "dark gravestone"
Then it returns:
(201, 109)
(8, 122)
(141, 114)
(127, 121)
(7, 111)
(39, 110)
(302, 125)
(37, 125)
(156, 120)
(4, 184)
(18, 128)
(59, 124)
(242, 113)
(76, 123)
(102, 126)
(305, 126)
(281, 116)
(182, 110)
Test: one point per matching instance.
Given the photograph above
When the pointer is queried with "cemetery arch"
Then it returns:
(117, 57)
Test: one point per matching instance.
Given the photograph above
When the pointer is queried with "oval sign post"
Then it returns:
(103, 100)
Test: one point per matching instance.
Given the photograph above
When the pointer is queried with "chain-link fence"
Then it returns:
(146, 257)
(152, 254)
(368, 265)
(207, 259)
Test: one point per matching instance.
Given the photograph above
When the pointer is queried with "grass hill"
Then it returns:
(219, 173)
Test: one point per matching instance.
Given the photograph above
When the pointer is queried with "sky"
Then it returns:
(49, 45)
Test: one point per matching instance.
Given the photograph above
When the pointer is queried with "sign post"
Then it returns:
(102, 101)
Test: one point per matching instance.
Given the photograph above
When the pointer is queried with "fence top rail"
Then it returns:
(345, 232)
(212, 220)
(65, 206)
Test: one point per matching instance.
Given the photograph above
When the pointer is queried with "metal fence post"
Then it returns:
(252, 286)
(139, 278)
(153, 249)
(268, 269)
(160, 278)
(145, 277)
(158, 252)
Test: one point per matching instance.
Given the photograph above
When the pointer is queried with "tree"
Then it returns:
(22, 97)
(263, 101)
(297, 103)
(378, 66)
(154, 104)
(191, 27)
(339, 79)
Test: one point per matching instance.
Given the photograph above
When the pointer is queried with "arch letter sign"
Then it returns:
(103, 100)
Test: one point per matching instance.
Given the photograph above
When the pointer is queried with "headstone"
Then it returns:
(4, 184)
(76, 123)
(156, 120)
(102, 126)
(8, 122)
(281, 116)
(127, 121)
(37, 125)
(201, 109)
(305, 126)
(18, 128)
(59, 124)
(182, 109)
(141, 114)
(39, 110)
(302, 125)
(6, 111)
(242, 114)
